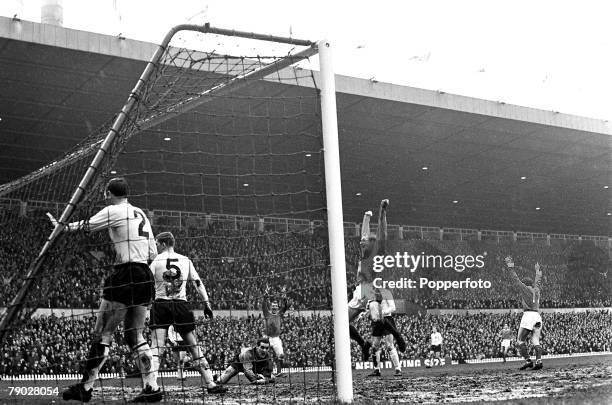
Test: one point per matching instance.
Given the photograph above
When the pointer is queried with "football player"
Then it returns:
(255, 362)
(506, 338)
(126, 293)
(370, 246)
(172, 273)
(273, 311)
(531, 321)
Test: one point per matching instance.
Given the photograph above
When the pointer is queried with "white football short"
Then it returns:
(383, 342)
(277, 345)
(505, 343)
(529, 320)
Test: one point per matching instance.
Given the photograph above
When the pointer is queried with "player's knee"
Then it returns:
(202, 362)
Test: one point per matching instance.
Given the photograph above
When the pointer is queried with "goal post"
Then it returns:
(344, 379)
(247, 147)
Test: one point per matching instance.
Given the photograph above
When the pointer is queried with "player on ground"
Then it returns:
(255, 362)
(506, 338)
(273, 311)
(531, 321)
(127, 291)
(172, 273)
(435, 348)
(381, 312)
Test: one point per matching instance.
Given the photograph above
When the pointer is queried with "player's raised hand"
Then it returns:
(384, 203)
(208, 313)
(538, 268)
(368, 213)
(509, 262)
(52, 219)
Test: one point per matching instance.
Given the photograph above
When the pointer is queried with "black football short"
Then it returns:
(172, 312)
(379, 329)
(180, 346)
(436, 348)
(130, 284)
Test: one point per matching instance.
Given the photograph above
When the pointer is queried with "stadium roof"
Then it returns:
(489, 165)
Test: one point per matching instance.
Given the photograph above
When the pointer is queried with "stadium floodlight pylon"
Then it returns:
(169, 88)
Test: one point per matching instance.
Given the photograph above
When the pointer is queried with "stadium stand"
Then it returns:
(50, 340)
(237, 265)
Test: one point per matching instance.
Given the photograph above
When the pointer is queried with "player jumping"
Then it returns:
(381, 312)
(172, 273)
(370, 245)
(531, 321)
(273, 311)
(255, 362)
(126, 294)
(506, 338)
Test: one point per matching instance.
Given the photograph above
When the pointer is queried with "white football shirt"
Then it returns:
(172, 271)
(387, 304)
(129, 230)
(436, 339)
(362, 293)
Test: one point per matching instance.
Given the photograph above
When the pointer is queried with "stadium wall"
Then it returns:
(62, 312)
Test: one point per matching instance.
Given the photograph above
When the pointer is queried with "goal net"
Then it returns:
(221, 143)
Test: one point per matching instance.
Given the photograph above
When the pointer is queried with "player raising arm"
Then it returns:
(370, 246)
(531, 321)
(172, 273)
(255, 362)
(273, 310)
(127, 291)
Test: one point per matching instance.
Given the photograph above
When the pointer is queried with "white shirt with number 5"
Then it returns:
(172, 271)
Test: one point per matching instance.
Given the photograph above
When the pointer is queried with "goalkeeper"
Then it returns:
(531, 321)
(255, 362)
(172, 272)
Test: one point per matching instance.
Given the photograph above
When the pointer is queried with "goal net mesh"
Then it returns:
(223, 147)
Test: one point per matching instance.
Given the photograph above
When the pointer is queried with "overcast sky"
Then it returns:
(552, 55)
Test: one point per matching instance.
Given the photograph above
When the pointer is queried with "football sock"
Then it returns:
(98, 352)
(227, 375)
(523, 350)
(538, 351)
(394, 358)
(356, 336)
(205, 372)
(144, 359)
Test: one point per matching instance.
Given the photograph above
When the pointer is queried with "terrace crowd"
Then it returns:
(56, 344)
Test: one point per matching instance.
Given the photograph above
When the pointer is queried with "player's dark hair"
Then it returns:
(118, 187)
(166, 238)
(264, 339)
(528, 281)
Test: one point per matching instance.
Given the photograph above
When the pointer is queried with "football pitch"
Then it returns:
(570, 380)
